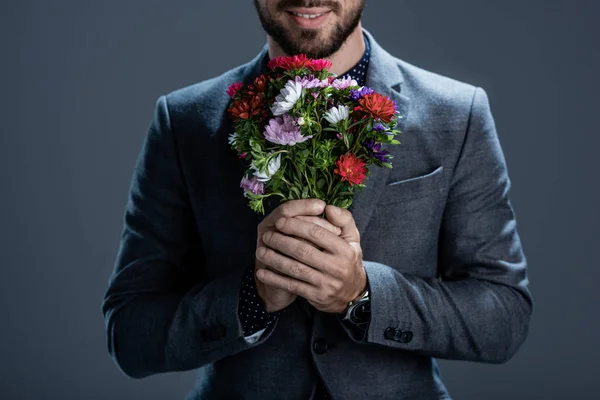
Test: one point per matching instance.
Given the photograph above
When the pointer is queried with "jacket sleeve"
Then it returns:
(479, 309)
(161, 313)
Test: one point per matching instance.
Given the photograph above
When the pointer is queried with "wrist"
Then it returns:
(361, 292)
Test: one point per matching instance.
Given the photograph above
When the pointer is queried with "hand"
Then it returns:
(306, 210)
(327, 278)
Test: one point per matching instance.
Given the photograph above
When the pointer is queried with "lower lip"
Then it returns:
(310, 23)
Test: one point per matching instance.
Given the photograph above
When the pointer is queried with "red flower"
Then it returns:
(259, 86)
(320, 64)
(377, 106)
(260, 82)
(287, 63)
(233, 88)
(246, 108)
(351, 169)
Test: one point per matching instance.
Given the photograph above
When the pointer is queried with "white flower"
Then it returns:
(273, 167)
(233, 137)
(286, 99)
(300, 121)
(336, 114)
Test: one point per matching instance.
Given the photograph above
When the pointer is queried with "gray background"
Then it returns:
(79, 82)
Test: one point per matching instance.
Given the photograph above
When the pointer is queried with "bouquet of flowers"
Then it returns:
(305, 134)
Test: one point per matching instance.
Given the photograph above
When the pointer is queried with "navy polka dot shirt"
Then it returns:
(255, 320)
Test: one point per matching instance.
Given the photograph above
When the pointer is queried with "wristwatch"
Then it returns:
(358, 311)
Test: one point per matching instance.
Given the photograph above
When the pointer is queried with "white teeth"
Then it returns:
(309, 16)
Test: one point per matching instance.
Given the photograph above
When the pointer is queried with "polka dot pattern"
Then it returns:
(251, 308)
(359, 71)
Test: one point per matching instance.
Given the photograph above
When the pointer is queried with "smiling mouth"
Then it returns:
(308, 16)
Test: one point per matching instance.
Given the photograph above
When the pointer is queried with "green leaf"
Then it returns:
(320, 183)
(296, 192)
(305, 193)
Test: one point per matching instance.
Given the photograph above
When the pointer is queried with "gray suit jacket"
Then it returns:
(441, 250)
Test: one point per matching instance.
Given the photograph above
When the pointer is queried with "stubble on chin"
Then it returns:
(320, 43)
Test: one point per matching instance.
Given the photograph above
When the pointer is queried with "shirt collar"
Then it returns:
(359, 71)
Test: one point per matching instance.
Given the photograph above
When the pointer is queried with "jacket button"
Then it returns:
(390, 333)
(406, 337)
(320, 346)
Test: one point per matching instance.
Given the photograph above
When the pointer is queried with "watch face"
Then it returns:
(360, 314)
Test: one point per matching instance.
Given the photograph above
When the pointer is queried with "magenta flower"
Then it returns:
(284, 131)
(252, 185)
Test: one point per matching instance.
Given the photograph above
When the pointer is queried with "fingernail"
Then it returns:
(260, 252)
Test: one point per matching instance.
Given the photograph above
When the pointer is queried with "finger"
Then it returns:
(286, 283)
(316, 234)
(292, 208)
(322, 222)
(289, 266)
(298, 250)
(343, 218)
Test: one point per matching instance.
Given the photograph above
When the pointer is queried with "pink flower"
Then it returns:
(252, 185)
(233, 88)
(341, 84)
(310, 82)
(284, 131)
(320, 64)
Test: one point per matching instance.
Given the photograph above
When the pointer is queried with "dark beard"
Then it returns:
(325, 48)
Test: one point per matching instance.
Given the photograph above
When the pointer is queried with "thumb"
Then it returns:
(343, 219)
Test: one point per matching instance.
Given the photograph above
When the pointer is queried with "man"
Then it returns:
(426, 263)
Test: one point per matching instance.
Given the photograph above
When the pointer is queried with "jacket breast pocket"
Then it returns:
(412, 188)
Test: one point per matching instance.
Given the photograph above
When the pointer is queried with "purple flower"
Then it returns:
(378, 127)
(253, 185)
(396, 108)
(357, 94)
(284, 131)
(339, 135)
(375, 150)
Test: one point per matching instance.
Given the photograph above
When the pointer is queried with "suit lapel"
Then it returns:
(383, 76)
